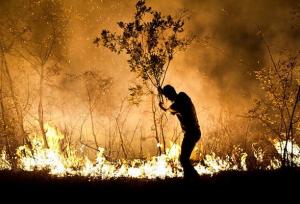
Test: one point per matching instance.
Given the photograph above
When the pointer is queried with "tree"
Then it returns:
(150, 41)
(11, 107)
(278, 110)
(97, 89)
(44, 45)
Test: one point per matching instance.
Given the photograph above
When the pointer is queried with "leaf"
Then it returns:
(121, 24)
(97, 41)
(150, 41)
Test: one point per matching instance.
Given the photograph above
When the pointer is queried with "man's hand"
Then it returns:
(161, 105)
(159, 90)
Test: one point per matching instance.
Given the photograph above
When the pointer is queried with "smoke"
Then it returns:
(233, 51)
(215, 71)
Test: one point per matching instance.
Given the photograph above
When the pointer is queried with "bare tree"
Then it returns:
(96, 93)
(151, 41)
(12, 109)
(44, 45)
(97, 89)
(121, 119)
(278, 109)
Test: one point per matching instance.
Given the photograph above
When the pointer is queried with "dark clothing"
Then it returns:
(188, 143)
(186, 113)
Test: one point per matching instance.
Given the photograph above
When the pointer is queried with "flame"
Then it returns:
(69, 162)
(293, 152)
(4, 163)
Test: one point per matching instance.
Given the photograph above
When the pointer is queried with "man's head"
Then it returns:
(169, 92)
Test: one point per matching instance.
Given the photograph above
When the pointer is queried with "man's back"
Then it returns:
(185, 112)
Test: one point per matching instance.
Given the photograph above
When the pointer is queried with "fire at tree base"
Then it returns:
(69, 163)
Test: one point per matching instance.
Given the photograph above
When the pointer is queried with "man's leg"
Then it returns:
(187, 147)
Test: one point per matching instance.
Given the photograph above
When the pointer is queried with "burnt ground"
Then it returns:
(231, 186)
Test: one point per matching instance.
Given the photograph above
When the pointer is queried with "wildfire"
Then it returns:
(4, 163)
(68, 162)
(293, 150)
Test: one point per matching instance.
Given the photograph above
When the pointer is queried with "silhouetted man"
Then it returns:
(184, 109)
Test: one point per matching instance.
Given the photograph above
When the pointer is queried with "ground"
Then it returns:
(272, 185)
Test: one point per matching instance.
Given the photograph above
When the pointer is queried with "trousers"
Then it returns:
(189, 141)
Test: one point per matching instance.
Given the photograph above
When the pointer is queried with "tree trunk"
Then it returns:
(92, 118)
(155, 125)
(122, 140)
(162, 132)
(290, 131)
(17, 106)
(41, 108)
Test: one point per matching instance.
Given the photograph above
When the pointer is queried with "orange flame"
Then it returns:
(69, 163)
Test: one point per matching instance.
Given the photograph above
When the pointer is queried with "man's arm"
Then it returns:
(172, 111)
(161, 105)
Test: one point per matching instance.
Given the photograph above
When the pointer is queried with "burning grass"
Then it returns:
(55, 174)
(69, 163)
(35, 157)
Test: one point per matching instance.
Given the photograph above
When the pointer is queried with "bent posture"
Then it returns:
(184, 109)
